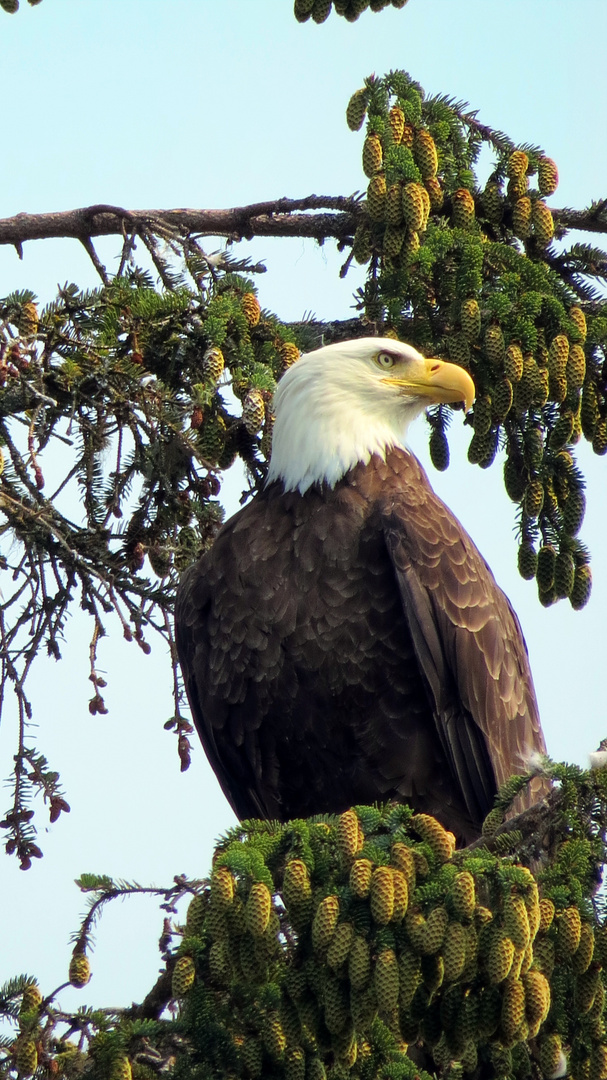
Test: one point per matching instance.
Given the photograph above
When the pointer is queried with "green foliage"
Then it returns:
(473, 967)
(468, 255)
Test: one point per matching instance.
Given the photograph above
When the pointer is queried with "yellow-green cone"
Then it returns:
(386, 981)
(325, 922)
(424, 152)
(435, 192)
(550, 1054)
(517, 164)
(577, 316)
(184, 974)
(434, 834)
(582, 957)
(338, 950)
(360, 877)
(382, 895)
(356, 110)
(462, 209)
(513, 363)
(547, 176)
(79, 970)
(393, 204)
(463, 895)
(543, 223)
(513, 1008)
(569, 929)
(258, 908)
(454, 951)
(396, 119)
(439, 449)
(347, 834)
(251, 308)
(362, 248)
(376, 197)
(470, 318)
(372, 155)
(359, 963)
(212, 364)
(413, 206)
(521, 217)
(495, 349)
(500, 957)
(222, 889)
(493, 203)
(402, 859)
(516, 921)
(582, 587)
(575, 369)
(27, 1057)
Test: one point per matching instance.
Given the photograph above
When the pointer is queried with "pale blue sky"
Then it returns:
(197, 103)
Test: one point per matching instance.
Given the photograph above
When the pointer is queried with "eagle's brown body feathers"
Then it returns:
(351, 645)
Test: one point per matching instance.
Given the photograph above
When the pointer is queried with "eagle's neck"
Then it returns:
(324, 427)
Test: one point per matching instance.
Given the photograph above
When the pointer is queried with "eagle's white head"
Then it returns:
(340, 404)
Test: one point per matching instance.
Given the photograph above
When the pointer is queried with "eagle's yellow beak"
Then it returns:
(437, 380)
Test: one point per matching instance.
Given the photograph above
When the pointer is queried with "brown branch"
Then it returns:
(278, 217)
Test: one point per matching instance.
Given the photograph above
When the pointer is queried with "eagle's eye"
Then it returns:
(384, 360)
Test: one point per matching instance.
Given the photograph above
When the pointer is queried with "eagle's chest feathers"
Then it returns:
(315, 592)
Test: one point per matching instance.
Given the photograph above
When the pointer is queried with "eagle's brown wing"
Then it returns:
(468, 640)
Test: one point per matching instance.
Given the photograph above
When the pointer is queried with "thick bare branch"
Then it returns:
(278, 217)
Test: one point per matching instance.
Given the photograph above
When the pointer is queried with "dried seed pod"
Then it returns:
(372, 155)
(462, 209)
(183, 977)
(79, 970)
(382, 895)
(424, 153)
(470, 318)
(258, 908)
(543, 223)
(357, 109)
(547, 176)
(376, 198)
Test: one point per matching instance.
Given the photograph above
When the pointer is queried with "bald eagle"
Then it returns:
(343, 641)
